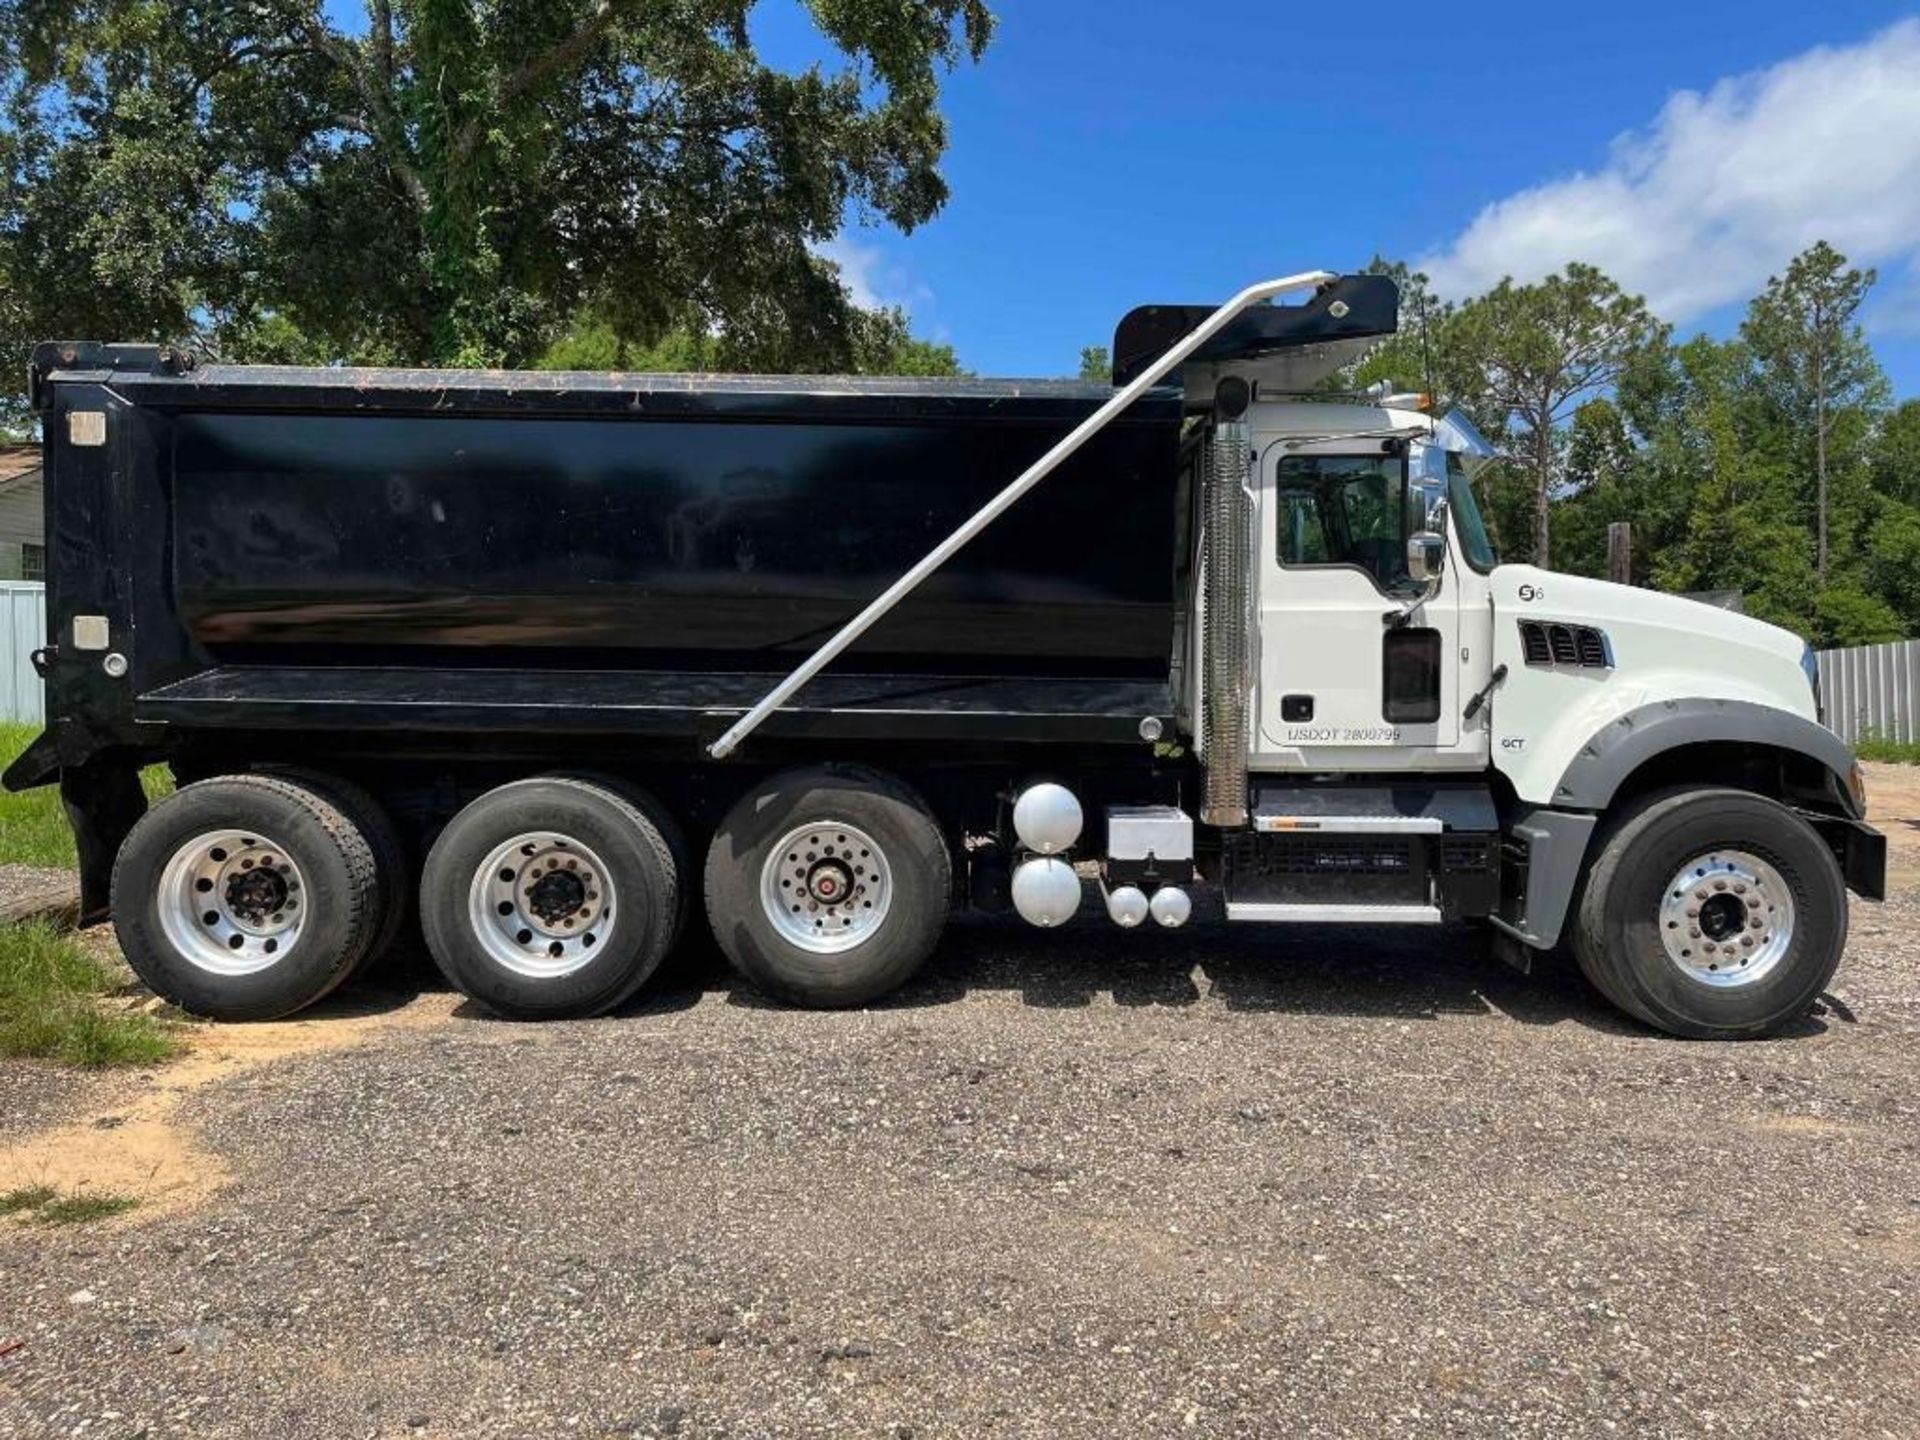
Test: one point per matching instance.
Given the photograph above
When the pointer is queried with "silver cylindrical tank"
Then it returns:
(1046, 892)
(1127, 906)
(1047, 818)
(1171, 906)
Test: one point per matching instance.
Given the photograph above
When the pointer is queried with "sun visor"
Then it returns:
(1283, 347)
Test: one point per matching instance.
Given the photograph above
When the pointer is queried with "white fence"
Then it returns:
(1872, 690)
(23, 630)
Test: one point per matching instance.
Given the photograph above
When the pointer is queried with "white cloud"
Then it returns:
(1895, 310)
(874, 278)
(1700, 207)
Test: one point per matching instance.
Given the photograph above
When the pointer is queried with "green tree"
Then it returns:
(882, 345)
(1096, 364)
(1523, 358)
(457, 180)
(1896, 454)
(1602, 465)
(1415, 357)
(1893, 561)
(1815, 363)
(1717, 454)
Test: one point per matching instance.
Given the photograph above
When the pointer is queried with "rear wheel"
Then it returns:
(1715, 914)
(828, 887)
(392, 874)
(245, 897)
(551, 898)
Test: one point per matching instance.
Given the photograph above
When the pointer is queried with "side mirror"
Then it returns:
(1426, 556)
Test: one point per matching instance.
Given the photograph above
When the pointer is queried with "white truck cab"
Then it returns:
(1399, 729)
(1647, 775)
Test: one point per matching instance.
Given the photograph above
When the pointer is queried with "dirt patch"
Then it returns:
(131, 1141)
(1893, 805)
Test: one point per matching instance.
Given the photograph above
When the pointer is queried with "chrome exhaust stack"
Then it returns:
(1226, 608)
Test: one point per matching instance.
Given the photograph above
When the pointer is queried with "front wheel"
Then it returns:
(1714, 914)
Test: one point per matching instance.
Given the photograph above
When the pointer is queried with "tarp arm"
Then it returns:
(991, 511)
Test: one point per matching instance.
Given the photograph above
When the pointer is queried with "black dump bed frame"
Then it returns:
(396, 552)
(380, 555)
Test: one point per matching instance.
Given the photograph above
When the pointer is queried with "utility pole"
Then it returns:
(1620, 552)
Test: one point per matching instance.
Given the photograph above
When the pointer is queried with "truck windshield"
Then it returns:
(1467, 518)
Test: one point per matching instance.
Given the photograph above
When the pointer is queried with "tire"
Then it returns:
(201, 852)
(1712, 914)
(669, 831)
(894, 910)
(392, 871)
(592, 890)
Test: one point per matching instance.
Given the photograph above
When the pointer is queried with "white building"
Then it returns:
(23, 540)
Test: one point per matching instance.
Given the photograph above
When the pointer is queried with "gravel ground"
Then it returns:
(1085, 1184)
(34, 1096)
(35, 891)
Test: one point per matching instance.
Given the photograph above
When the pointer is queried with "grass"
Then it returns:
(50, 988)
(1892, 752)
(50, 1207)
(27, 1198)
(33, 827)
(50, 993)
(84, 1209)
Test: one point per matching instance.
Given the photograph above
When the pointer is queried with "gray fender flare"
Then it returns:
(1557, 837)
(1594, 775)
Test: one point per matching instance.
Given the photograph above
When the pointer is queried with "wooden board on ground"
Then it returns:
(34, 892)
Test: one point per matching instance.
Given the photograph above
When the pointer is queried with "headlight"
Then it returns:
(1810, 663)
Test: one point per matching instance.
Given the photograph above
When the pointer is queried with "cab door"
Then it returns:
(1349, 677)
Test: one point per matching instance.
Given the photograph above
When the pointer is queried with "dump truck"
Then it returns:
(537, 664)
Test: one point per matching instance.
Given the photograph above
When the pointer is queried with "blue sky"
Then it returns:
(1109, 154)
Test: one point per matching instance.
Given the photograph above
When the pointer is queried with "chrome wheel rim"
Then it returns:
(826, 887)
(232, 902)
(542, 905)
(1726, 918)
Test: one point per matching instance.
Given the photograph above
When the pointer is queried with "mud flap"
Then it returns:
(1860, 849)
(103, 801)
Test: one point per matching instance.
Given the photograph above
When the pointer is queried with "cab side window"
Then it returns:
(1346, 510)
(1303, 534)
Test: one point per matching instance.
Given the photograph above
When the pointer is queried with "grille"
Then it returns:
(1322, 855)
(1550, 643)
(1466, 853)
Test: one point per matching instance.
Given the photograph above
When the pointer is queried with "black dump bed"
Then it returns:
(459, 550)
(402, 553)
(348, 517)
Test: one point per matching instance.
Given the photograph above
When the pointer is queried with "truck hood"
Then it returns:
(1665, 643)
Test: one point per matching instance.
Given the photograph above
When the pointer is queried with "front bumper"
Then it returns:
(1861, 850)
